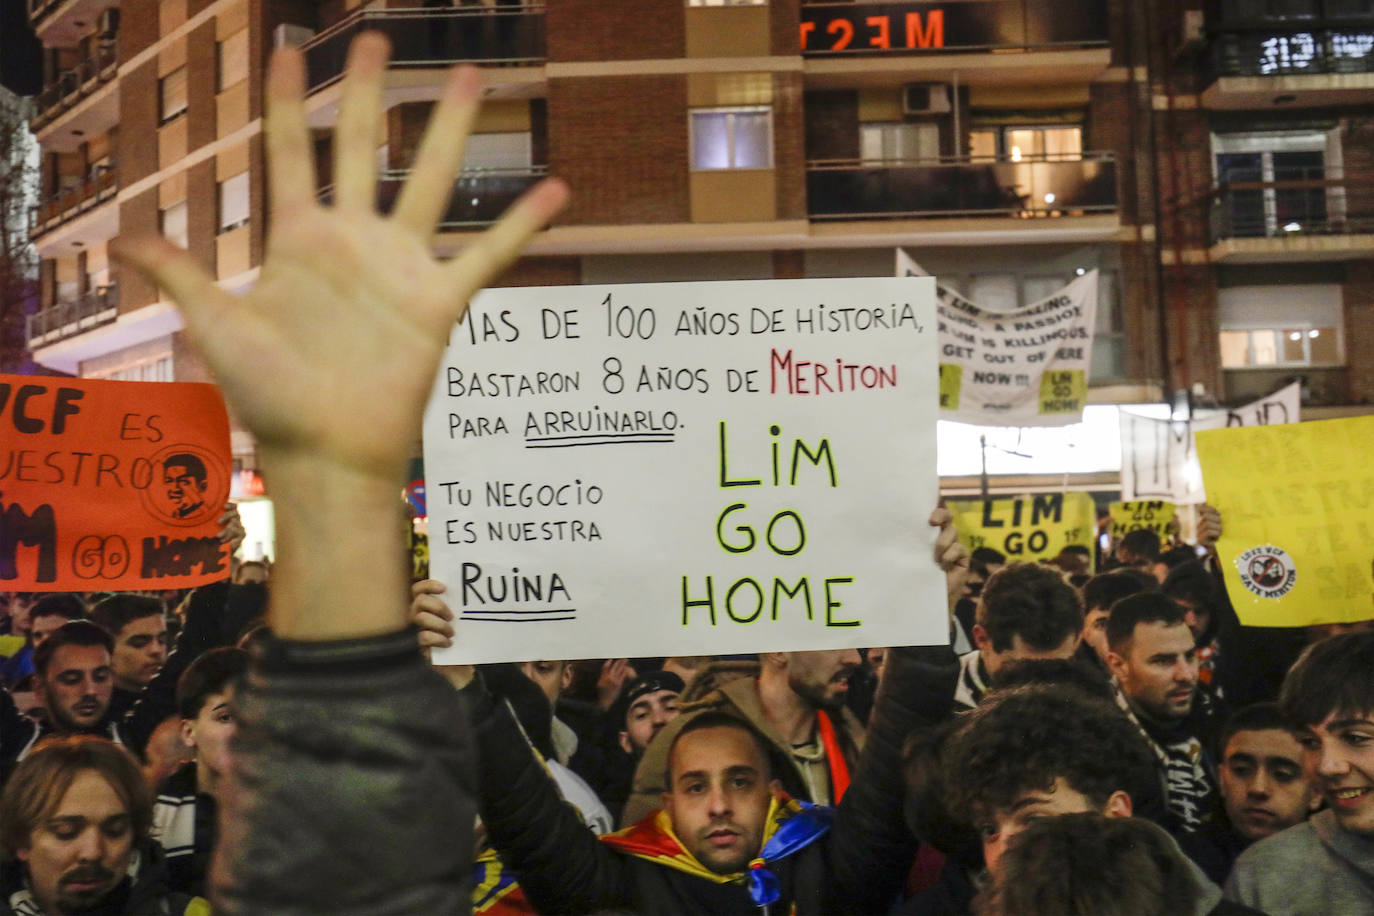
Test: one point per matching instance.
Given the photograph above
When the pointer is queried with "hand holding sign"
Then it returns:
(329, 359)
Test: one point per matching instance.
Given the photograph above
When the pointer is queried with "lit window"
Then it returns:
(727, 2)
(1280, 325)
(233, 202)
(232, 59)
(172, 95)
(732, 138)
(172, 223)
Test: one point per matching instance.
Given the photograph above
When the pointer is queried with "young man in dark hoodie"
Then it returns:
(184, 813)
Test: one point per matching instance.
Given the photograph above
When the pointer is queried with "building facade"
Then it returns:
(1210, 160)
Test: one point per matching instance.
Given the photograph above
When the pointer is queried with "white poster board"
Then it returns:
(687, 469)
(1159, 459)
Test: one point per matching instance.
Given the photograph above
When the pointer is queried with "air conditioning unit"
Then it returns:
(108, 24)
(287, 35)
(925, 99)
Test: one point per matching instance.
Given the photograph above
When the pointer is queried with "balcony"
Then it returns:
(67, 319)
(66, 205)
(63, 23)
(433, 38)
(1297, 214)
(1290, 65)
(855, 44)
(63, 97)
(1047, 187)
(976, 25)
(479, 197)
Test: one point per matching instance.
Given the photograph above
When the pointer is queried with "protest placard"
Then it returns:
(1027, 528)
(1297, 514)
(1148, 514)
(111, 485)
(1159, 460)
(691, 468)
(1022, 367)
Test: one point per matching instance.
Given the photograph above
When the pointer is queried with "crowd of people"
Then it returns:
(1106, 742)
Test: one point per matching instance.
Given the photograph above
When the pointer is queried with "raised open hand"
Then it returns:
(329, 358)
(332, 353)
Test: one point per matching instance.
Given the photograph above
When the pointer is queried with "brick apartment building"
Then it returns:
(1212, 160)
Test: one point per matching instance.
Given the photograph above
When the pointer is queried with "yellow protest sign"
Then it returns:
(1063, 391)
(1027, 528)
(1150, 514)
(951, 380)
(1297, 515)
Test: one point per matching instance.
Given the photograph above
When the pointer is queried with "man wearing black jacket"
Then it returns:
(727, 839)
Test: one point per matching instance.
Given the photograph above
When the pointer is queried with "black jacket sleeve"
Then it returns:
(561, 866)
(871, 846)
(352, 790)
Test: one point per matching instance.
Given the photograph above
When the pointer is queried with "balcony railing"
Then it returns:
(39, 9)
(1288, 14)
(71, 202)
(500, 35)
(1294, 202)
(1287, 51)
(1029, 187)
(868, 28)
(75, 84)
(67, 319)
(479, 196)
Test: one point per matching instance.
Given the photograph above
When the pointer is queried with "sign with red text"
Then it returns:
(687, 468)
(108, 486)
(967, 25)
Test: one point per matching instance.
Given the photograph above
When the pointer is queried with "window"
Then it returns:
(1021, 143)
(732, 138)
(1267, 184)
(231, 60)
(514, 150)
(727, 2)
(156, 369)
(1275, 326)
(898, 142)
(172, 223)
(172, 95)
(233, 202)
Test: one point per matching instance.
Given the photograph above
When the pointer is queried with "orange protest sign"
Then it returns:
(111, 485)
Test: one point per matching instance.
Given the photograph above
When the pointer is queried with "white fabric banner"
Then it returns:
(1158, 458)
(687, 469)
(1025, 367)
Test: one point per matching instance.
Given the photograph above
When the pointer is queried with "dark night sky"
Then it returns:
(21, 68)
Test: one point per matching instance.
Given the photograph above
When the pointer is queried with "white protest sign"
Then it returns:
(1159, 460)
(1025, 367)
(687, 469)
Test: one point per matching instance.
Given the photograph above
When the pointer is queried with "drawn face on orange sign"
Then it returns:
(185, 480)
(189, 486)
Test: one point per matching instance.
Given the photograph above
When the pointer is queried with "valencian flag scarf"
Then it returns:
(791, 826)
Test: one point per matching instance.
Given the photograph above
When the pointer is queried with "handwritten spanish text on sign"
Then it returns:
(1297, 515)
(1029, 528)
(689, 468)
(1159, 460)
(111, 485)
(1148, 514)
